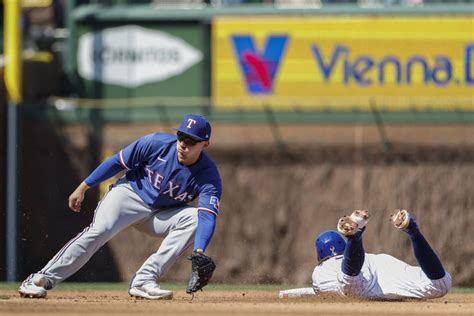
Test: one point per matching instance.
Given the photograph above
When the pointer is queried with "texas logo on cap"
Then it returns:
(195, 126)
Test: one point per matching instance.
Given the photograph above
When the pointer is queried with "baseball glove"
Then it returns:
(202, 268)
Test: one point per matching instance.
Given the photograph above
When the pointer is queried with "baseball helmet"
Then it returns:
(329, 244)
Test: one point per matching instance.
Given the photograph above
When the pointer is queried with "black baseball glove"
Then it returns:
(201, 271)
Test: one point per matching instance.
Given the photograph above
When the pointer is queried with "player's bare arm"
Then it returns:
(76, 197)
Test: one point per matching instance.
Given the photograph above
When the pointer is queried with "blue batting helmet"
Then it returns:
(329, 244)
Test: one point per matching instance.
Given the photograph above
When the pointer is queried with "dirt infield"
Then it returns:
(221, 302)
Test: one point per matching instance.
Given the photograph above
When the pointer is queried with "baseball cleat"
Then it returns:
(29, 290)
(349, 225)
(150, 291)
(403, 220)
(42, 281)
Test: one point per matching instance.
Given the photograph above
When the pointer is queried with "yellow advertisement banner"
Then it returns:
(396, 63)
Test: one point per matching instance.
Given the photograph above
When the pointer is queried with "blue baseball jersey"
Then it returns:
(161, 181)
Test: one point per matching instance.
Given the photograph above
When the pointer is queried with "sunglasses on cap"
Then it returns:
(186, 139)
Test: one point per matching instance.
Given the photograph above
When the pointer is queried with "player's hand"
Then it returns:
(76, 197)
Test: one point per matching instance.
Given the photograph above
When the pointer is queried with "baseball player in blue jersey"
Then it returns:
(164, 173)
(344, 268)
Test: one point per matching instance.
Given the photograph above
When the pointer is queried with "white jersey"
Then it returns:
(382, 277)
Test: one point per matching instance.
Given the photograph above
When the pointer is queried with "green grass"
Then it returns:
(181, 286)
(469, 290)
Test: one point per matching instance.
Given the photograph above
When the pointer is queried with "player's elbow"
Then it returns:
(439, 292)
(440, 287)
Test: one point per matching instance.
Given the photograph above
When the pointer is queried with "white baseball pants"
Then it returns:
(120, 208)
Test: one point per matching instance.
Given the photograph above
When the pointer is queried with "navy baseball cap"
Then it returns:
(195, 126)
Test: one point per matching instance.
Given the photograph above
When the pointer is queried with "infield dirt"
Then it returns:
(231, 302)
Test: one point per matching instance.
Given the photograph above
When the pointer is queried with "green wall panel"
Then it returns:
(193, 81)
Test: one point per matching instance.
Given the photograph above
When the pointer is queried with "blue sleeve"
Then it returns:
(208, 209)
(205, 230)
(210, 195)
(104, 171)
(137, 152)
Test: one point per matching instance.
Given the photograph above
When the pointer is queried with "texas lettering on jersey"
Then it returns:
(156, 180)
(159, 179)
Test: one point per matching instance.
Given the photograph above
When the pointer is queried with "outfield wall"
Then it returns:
(398, 62)
(337, 58)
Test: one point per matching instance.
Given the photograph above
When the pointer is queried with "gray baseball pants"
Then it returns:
(120, 208)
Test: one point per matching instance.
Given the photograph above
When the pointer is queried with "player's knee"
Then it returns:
(100, 234)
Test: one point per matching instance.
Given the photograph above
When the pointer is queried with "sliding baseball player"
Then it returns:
(344, 267)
